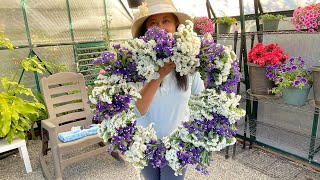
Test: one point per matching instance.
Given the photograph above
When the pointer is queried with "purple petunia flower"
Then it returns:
(291, 74)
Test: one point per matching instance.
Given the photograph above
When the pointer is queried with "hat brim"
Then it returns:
(137, 24)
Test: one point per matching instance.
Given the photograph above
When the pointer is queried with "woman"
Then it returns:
(164, 100)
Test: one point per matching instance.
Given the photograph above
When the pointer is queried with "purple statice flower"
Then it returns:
(155, 153)
(190, 156)
(124, 138)
(116, 46)
(119, 63)
(219, 125)
(209, 51)
(230, 86)
(105, 111)
(164, 41)
(105, 58)
(197, 156)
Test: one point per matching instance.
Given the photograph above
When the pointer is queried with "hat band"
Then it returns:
(161, 8)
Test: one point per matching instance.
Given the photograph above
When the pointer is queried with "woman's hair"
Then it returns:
(182, 81)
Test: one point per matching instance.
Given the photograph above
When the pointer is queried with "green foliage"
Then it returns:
(34, 64)
(268, 17)
(42, 114)
(15, 112)
(5, 41)
(288, 79)
(226, 20)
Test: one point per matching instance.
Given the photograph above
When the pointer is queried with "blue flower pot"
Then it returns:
(296, 96)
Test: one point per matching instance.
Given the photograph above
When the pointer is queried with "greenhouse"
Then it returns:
(160, 89)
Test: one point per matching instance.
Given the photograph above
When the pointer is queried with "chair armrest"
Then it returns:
(52, 129)
(47, 125)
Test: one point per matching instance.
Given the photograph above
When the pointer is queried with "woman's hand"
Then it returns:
(150, 89)
(166, 69)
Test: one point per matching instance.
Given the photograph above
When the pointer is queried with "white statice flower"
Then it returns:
(224, 63)
(144, 56)
(107, 86)
(209, 101)
(186, 48)
(173, 161)
(166, 142)
(135, 153)
(108, 128)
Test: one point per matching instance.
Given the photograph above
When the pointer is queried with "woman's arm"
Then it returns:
(150, 89)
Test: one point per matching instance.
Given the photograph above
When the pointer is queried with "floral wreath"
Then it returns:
(213, 112)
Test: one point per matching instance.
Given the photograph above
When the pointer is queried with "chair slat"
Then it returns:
(68, 107)
(64, 89)
(62, 78)
(66, 98)
(69, 117)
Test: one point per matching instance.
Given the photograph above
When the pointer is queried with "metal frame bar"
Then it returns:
(256, 14)
(315, 123)
(71, 31)
(211, 9)
(126, 9)
(208, 9)
(107, 21)
(260, 6)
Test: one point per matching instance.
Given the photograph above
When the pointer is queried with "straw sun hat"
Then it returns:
(152, 7)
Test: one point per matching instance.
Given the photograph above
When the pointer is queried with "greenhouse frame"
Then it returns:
(69, 35)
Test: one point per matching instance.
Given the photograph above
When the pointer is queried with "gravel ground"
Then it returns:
(253, 164)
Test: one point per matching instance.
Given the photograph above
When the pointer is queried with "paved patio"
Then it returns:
(253, 164)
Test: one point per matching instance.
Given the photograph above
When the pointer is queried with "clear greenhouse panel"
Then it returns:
(284, 5)
(231, 7)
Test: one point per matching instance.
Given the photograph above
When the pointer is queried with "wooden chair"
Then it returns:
(66, 99)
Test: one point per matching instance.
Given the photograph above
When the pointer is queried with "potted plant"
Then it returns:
(259, 58)
(225, 24)
(15, 110)
(271, 22)
(293, 80)
(307, 18)
(203, 25)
